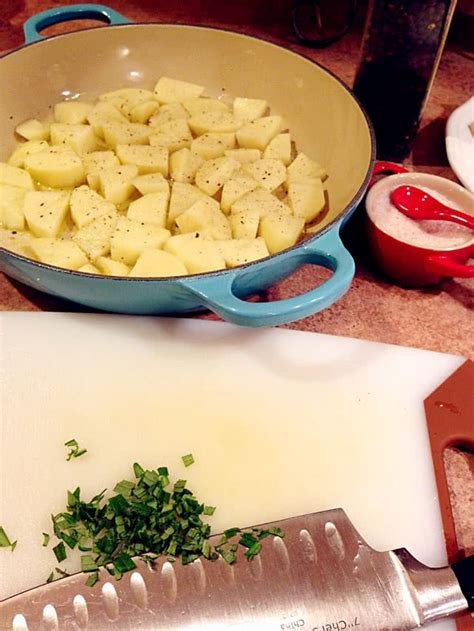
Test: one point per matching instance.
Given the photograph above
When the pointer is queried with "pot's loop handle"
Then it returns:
(384, 167)
(446, 266)
(217, 293)
(41, 20)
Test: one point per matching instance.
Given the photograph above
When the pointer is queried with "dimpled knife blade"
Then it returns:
(321, 576)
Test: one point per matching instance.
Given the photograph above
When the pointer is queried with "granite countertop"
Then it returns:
(438, 318)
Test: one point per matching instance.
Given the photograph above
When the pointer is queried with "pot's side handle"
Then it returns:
(41, 20)
(217, 293)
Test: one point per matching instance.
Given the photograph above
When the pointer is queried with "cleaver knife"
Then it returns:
(321, 576)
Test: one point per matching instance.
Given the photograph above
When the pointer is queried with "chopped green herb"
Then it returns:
(60, 552)
(50, 578)
(87, 563)
(61, 572)
(92, 579)
(4, 540)
(253, 550)
(13, 546)
(209, 510)
(75, 450)
(45, 539)
(188, 460)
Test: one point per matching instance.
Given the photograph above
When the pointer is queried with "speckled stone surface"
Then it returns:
(439, 318)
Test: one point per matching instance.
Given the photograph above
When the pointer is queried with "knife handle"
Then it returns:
(464, 571)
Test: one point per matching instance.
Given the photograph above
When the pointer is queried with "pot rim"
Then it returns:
(344, 213)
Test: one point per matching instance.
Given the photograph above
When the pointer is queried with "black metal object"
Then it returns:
(317, 23)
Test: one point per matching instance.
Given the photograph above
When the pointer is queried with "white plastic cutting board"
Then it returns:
(279, 422)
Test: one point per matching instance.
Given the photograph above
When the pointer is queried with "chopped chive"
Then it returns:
(188, 460)
(50, 578)
(124, 563)
(60, 552)
(92, 579)
(4, 540)
(253, 550)
(209, 510)
(87, 563)
(45, 539)
(75, 451)
(138, 470)
(61, 572)
(13, 546)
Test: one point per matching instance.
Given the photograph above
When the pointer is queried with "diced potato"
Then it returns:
(96, 162)
(168, 90)
(151, 183)
(11, 207)
(247, 110)
(59, 252)
(45, 212)
(147, 159)
(150, 209)
(242, 251)
(306, 198)
(94, 238)
(116, 133)
(200, 105)
(279, 149)
(262, 201)
(216, 121)
(103, 113)
(240, 184)
(198, 254)
(213, 174)
(182, 197)
(109, 267)
(16, 241)
(72, 112)
(174, 134)
(302, 168)
(17, 157)
(202, 217)
(280, 231)
(184, 165)
(116, 182)
(142, 112)
(258, 133)
(244, 155)
(56, 167)
(167, 113)
(270, 174)
(88, 268)
(244, 223)
(131, 238)
(13, 176)
(87, 205)
(80, 138)
(125, 99)
(32, 129)
(213, 145)
(158, 263)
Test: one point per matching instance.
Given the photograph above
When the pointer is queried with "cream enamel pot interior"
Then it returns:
(325, 119)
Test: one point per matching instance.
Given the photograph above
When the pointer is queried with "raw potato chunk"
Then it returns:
(125, 133)
(279, 149)
(59, 252)
(258, 133)
(88, 268)
(167, 113)
(87, 205)
(56, 167)
(214, 121)
(104, 113)
(94, 239)
(158, 263)
(147, 159)
(244, 155)
(174, 134)
(131, 238)
(80, 138)
(17, 158)
(235, 188)
(213, 145)
(244, 224)
(125, 99)
(303, 168)
(116, 182)
(280, 231)
(184, 165)
(214, 174)
(11, 207)
(151, 183)
(142, 112)
(182, 197)
(150, 209)
(45, 212)
(200, 105)
(168, 90)
(263, 202)
(306, 198)
(241, 251)
(202, 217)
(32, 129)
(15, 176)
(109, 267)
(198, 254)
(72, 112)
(96, 162)
(268, 173)
(247, 110)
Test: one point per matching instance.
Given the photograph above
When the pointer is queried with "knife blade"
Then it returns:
(321, 577)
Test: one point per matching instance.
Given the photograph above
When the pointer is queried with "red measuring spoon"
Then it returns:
(415, 203)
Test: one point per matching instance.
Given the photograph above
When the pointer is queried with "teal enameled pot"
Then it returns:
(325, 119)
